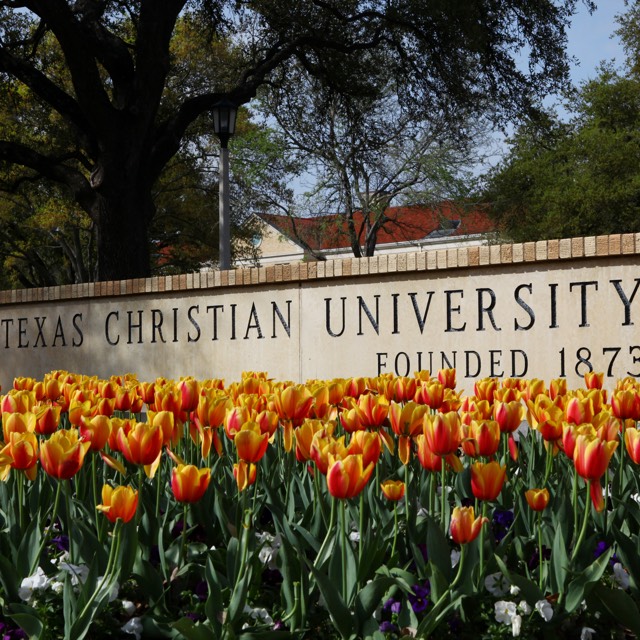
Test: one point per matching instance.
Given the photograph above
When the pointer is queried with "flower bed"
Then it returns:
(353, 508)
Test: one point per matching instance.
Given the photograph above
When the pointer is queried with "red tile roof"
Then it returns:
(405, 224)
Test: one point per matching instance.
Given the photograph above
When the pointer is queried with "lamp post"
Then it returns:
(224, 126)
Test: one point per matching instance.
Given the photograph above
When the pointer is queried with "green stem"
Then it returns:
(574, 499)
(549, 464)
(20, 482)
(443, 497)
(67, 501)
(332, 521)
(158, 485)
(183, 542)
(395, 527)
(361, 537)
(406, 494)
(343, 531)
(481, 542)
(45, 534)
(583, 531)
(540, 555)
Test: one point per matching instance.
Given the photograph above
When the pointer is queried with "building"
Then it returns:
(408, 228)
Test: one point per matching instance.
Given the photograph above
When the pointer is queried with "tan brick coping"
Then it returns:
(436, 259)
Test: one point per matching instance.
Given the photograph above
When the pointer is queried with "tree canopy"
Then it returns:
(111, 102)
(581, 175)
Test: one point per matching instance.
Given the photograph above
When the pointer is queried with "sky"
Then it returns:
(590, 38)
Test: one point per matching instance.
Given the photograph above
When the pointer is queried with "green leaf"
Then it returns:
(620, 605)
(438, 550)
(530, 590)
(26, 618)
(340, 615)
(369, 598)
(191, 631)
(580, 584)
(559, 561)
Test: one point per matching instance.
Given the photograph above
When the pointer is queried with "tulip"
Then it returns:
(485, 389)
(372, 410)
(323, 446)
(96, 430)
(447, 378)
(570, 432)
(142, 444)
(557, 387)
(393, 490)
(251, 444)
(593, 380)
(430, 393)
(18, 423)
(537, 499)
(304, 435)
(245, 474)
(366, 443)
(293, 403)
(481, 438)
(591, 458)
(443, 432)
(428, 460)
(626, 404)
(189, 483)
(487, 480)
(63, 453)
(22, 450)
(17, 402)
(508, 415)
(464, 526)
(580, 410)
(632, 443)
(347, 477)
(119, 502)
(190, 393)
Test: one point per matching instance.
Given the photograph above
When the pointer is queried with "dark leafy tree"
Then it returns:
(118, 94)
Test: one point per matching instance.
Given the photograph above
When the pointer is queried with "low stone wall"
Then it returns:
(541, 309)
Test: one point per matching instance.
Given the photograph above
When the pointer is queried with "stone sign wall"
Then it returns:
(546, 310)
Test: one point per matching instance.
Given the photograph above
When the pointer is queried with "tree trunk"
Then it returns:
(123, 234)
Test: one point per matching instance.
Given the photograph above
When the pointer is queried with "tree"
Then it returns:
(369, 153)
(117, 92)
(581, 176)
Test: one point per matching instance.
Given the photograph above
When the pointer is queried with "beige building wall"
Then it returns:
(545, 310)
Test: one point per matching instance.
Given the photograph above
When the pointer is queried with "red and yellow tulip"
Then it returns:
(189, 483)
(118, 502)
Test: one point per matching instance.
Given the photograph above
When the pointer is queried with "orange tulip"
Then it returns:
(63, 453)
(251, 444)
(293, 403)
(372, 410)
(96, 430)
(447, 378)
(430, 393)
(142, 444)
(18, 423)
(626, 404)
(347, 477)
(22, 449)
(323, 446)
(485, 389)
(508, 415)
(428, 460)
(119, 502)
(443, 432)
(406, 420)
(304, 435)
(17, 401)
(393, 489)
(166, 420)
(464, 526)
(557, 387)
(487, 479)
(593, 380)
(190, 393)
(245, 474)
(579, 410)
(591, 458)
(538, 499)
(632, 443)
(481, 438)
(569, 434)
(368, 444)
(189, 483)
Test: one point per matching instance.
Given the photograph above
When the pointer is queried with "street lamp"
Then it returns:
(224, 126)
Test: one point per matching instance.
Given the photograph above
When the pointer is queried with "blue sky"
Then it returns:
(590, 38)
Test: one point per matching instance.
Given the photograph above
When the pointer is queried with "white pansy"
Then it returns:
(621, 576)
(505, 611)
(514, 590)
(497, 584)
(354, 536)
(134, 627)
(516, 625)
(113, 592)
(35, 582)
(544, 609)
(587, 633)
(524, 607)
(128, 607)
(270, 547)
(455, 557)
(78, 572)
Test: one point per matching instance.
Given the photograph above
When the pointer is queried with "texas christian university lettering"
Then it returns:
(478, 325)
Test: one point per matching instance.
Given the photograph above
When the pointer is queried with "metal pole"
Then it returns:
(223, 206)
